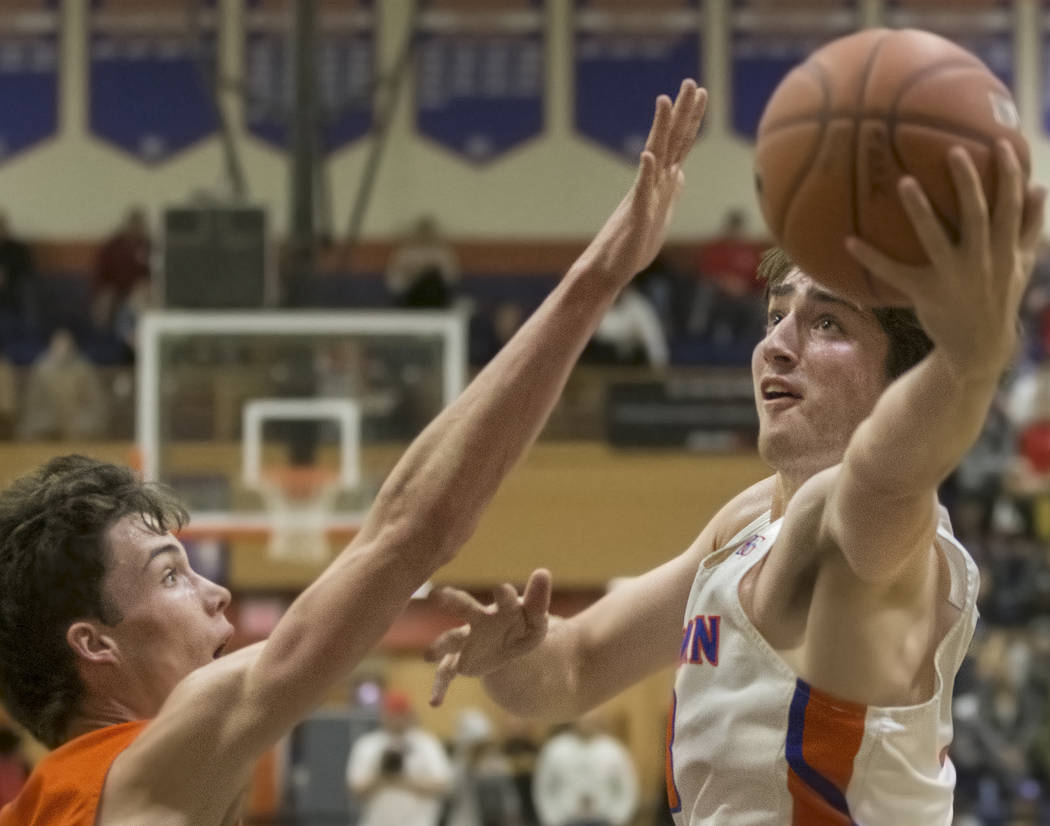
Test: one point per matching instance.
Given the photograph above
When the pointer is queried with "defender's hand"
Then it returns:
(967, 297)
(635, 232)
(493, 635)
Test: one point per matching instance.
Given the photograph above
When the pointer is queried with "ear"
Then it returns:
(89, 643)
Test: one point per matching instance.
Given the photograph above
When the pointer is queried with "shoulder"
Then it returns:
(742, 510)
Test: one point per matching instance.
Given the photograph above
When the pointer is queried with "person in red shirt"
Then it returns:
(727, 301)
(122, 264)
(111, 645)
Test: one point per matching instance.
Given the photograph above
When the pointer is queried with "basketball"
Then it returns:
(843, 127)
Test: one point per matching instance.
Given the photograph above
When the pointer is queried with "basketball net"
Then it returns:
(299, 502)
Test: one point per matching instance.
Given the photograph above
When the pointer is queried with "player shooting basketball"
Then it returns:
(826, 608)
(110, 643)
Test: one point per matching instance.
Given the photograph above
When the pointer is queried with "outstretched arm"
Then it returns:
(428, 506)
(881, 506)
(536, 665)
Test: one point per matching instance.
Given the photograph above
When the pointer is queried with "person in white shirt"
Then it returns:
(819, 618)
(400, 771)
(584, 775)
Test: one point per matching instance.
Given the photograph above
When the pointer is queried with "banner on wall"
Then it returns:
(767, 39)
(623, 58)
(985, 27)
(152, 63)
(479, 88)
(29, 61)
(345, 61)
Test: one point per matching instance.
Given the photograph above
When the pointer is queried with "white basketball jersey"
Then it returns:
(751, 744)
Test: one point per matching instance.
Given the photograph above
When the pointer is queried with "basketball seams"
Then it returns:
(862, 92)
(893, 119)
(818, 71)
(938, 124)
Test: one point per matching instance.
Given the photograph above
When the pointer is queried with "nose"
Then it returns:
(216, 597)
(780, 346)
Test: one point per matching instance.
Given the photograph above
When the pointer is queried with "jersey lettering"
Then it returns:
(700, 640)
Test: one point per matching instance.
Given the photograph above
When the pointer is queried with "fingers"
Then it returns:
(536, 600)
(973, 208)
(461, 603)
(506, 598)
(645, 182)
(904, 278)
(1009, 196)
(443, 677)
(680, 116)
(691, 117)
(1033, 222)
(934, 240)
(450, 642)
(656, 143)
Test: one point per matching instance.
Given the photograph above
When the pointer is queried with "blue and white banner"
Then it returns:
(29, 61)
(152, 65)
(479, 88)
(985, 27)
(625, 57)
(767, 39)
(345, 61)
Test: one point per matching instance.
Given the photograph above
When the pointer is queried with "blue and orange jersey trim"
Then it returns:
(823, 737)
(674, 800)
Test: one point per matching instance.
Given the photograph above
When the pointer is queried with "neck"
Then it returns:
(95, 714)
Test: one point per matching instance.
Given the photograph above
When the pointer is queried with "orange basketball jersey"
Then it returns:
(65, 788)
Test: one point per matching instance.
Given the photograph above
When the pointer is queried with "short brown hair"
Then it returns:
(53, 560)
(909, 343)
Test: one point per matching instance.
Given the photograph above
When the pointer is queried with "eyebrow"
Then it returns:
(817, 293)
(170, 548)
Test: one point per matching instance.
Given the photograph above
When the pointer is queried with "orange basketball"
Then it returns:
(843, 127)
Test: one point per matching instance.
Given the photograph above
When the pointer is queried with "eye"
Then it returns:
(830, 323)
(170, 576)
(773, 317)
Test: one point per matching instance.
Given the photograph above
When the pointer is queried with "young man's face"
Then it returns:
(172, 619)
(817, 374)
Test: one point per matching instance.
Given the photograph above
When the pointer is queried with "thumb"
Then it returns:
(536, 600)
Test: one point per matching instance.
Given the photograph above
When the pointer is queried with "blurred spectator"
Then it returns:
(1035, 311)
(14, 770)
(399, 771)
(630, 333)
(16, 272)
(8, 399)
(423, 269)
(998, 715)
(975, 488)
(521, 750)
(1029, 411)
(64, 396)
(727, 300)
(585, 777)
(122, 264)
(661, 285)
(126, 318)
(483, 791)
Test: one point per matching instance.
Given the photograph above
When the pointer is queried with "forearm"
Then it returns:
(921, 427)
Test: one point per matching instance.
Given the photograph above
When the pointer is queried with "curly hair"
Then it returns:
(54, 556)
(909, 343)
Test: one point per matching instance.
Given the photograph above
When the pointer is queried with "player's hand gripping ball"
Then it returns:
(843, 127)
